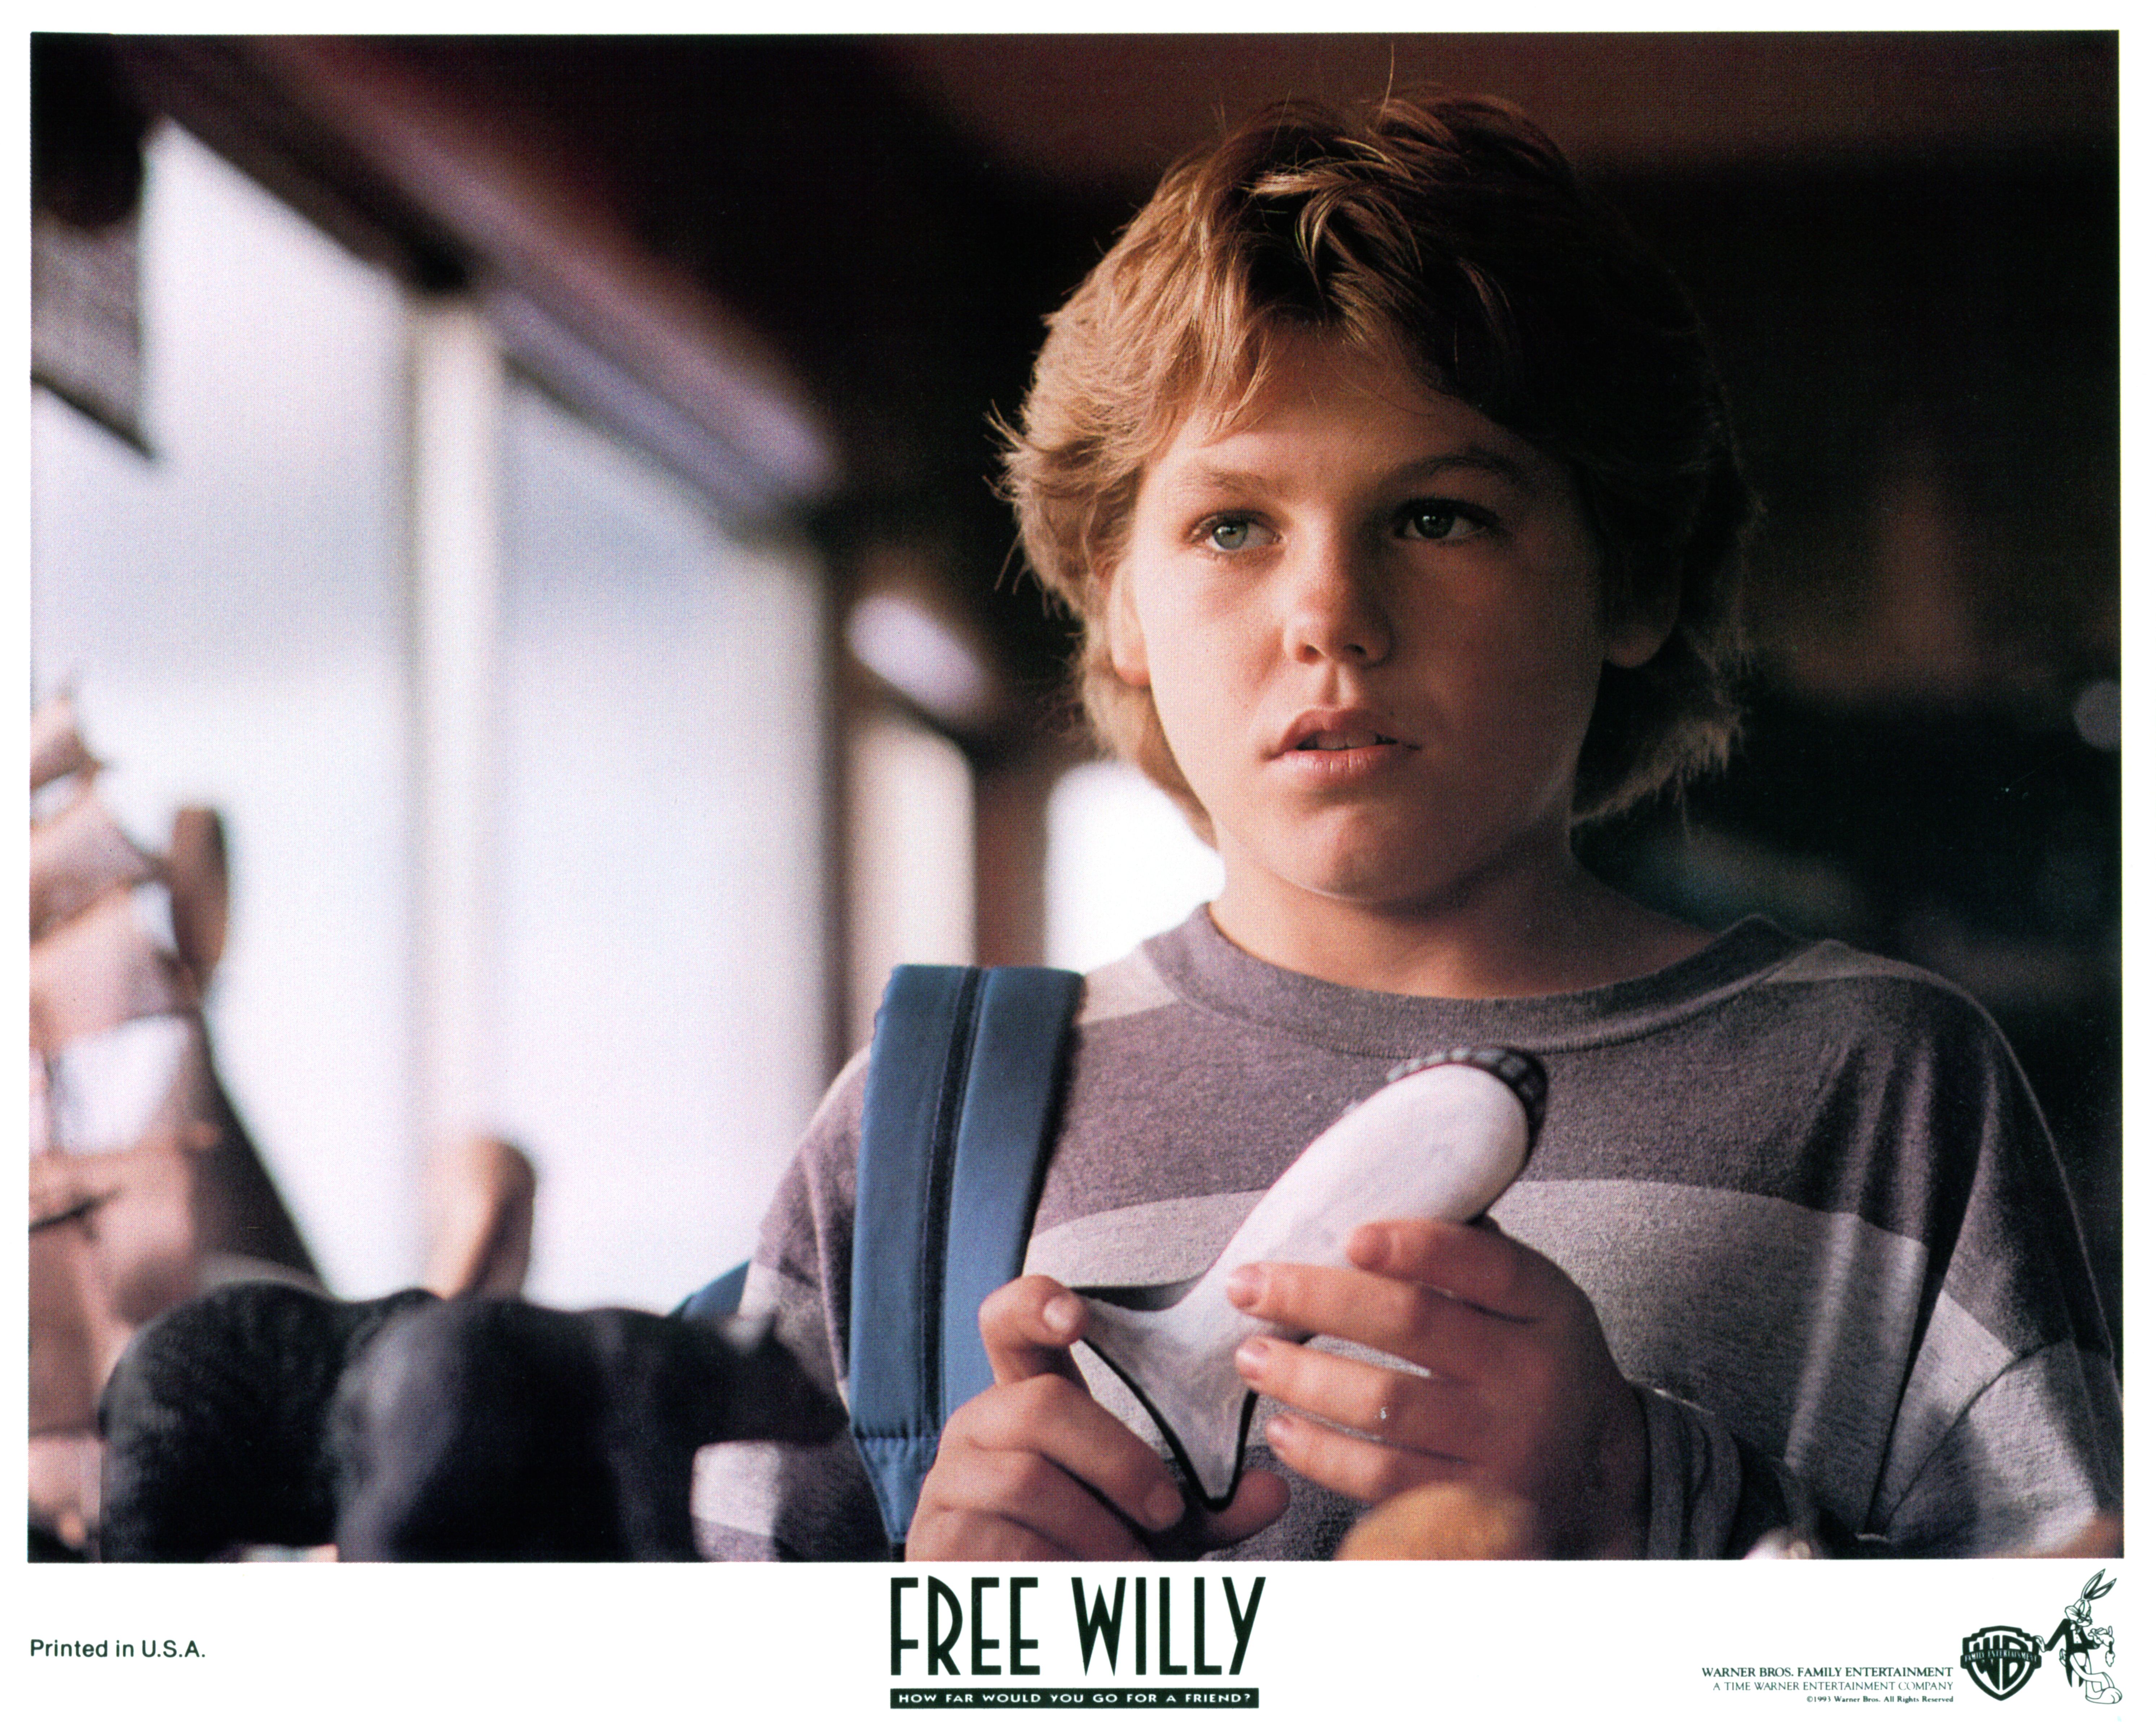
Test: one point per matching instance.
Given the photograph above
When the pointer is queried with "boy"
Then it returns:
(1392, 486)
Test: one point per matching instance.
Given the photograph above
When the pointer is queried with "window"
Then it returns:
(618, 865)
(660, 1009)
(1123, 865)
(910, 792)
(231, 612)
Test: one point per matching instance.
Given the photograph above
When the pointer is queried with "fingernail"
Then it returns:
(1244, 1285)
(1062, 1314)
(1250, 1355)
(1366, 1246)
(1164, 1506)
(1279, 1432)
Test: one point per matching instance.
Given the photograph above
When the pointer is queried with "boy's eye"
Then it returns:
(1232, 532)
(1436, 521)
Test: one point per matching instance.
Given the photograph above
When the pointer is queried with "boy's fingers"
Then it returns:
(1023, 1490)
(1092, 1468)
(1029, 1327)
(1402, 1411)
(1052, 1418)
(1476, 1263)
(1402, 1317)
(1347, 1465)
(1046, 1517)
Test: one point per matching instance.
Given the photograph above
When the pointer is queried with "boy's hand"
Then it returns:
(1522, 1397)
(1036, 1469)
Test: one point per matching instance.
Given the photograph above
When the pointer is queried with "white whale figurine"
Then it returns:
(1439, 1141)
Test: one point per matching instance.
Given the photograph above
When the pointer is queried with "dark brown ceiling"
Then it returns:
(1110, 110)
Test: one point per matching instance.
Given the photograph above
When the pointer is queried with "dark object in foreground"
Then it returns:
(410, 1429)
(216, 1420)
(496, 1430)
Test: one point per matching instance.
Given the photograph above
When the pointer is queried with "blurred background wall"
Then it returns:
(540, 488)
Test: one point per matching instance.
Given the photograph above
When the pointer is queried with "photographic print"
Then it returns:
(1184, 853)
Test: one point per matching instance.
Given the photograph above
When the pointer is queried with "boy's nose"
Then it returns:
(1332, 612)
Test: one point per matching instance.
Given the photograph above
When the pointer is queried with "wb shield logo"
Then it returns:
(2000, 1659)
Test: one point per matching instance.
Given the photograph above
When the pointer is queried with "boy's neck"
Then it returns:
(1555, 929)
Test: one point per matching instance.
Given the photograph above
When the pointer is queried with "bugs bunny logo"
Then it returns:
(2078, 1641)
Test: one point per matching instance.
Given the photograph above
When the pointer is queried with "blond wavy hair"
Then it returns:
(1452, 230)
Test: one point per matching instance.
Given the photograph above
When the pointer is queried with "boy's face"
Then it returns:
(1371, 621)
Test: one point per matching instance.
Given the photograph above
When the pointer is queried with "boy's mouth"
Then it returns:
(1341, 729)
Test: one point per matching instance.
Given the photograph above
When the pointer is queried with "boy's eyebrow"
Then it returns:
(1476, 457)
(1473, 457)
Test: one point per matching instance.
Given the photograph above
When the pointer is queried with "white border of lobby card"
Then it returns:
(1534, 1639)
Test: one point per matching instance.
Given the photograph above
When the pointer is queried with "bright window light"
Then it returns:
(1123, 865)
(231, 615)
(912, 796)
(918, 656)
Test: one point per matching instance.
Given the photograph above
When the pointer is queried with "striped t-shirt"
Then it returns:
(1807, 1191)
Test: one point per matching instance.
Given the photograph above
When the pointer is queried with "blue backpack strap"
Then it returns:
(718, 1300)
(965, 1075)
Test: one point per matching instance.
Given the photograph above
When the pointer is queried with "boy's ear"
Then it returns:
(1643, 623)
(1127, 646)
